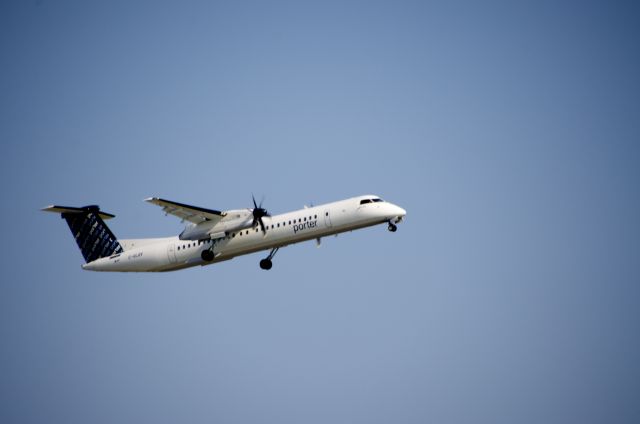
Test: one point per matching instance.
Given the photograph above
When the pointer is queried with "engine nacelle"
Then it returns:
(196, 232)
(233, 221)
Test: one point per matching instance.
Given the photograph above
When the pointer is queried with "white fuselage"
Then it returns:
(168, 254)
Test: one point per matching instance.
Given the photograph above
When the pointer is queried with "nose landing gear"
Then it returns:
(266, 263)
(392, 227)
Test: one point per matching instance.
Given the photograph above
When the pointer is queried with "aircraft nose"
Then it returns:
(398, 211)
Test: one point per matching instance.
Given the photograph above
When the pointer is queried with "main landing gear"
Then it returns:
(207, 255)
(392, 227)
(266, 263)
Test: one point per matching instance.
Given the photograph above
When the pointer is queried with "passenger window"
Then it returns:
(305, 219)
(326, 214)
(178, 247)
(315, 216)
(278, 225)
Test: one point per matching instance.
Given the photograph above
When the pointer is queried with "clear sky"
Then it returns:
(509, 131)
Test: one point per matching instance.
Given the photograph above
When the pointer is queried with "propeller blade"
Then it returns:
(258, 213)
(264, 231)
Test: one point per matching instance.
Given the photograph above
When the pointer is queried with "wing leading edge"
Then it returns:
(194, 214)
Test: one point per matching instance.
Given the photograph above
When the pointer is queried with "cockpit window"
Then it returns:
(363, 201)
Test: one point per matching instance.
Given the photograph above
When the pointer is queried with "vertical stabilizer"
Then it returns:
(94, 238)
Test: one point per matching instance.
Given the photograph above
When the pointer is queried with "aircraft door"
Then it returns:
(171, 252)
(327, 218)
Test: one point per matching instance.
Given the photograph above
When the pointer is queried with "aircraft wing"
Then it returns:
(189, 213)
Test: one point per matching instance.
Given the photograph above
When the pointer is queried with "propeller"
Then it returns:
(258, 213)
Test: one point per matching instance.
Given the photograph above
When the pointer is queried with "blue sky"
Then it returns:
(508, 131)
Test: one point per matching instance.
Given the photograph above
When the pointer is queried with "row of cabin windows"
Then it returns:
(188, 245)
(295, 221)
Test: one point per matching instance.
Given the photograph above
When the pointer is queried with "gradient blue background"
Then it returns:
(508, 130)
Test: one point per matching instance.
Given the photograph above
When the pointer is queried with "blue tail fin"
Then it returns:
(94, 238)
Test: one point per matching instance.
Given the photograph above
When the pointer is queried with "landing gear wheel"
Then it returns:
(266, 264)
(207, 255)
(392, 227)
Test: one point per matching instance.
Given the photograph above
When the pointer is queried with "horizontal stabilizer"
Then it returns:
(82, 210)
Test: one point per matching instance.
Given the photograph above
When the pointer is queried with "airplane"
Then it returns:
(213, 236)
